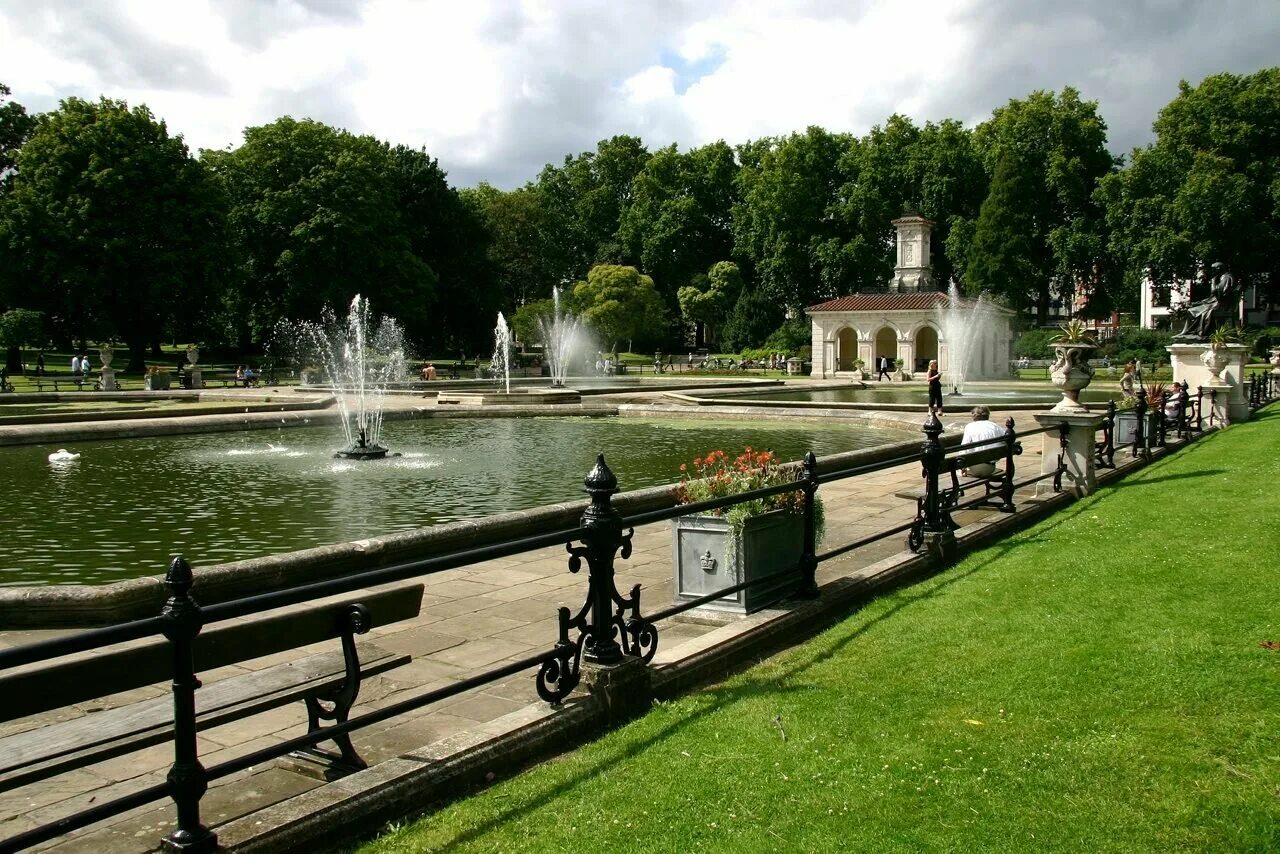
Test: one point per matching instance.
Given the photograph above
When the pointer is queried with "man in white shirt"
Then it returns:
(75, 364)
(981, 429)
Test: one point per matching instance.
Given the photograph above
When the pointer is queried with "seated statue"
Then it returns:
(1200, 314)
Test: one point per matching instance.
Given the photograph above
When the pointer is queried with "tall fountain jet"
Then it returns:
(559, 338)
(361, 358)
(501, 362)
(966, 325)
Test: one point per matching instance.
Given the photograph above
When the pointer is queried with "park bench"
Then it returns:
(328, 677)
(997, 487)
(230, 379)
(80, 381)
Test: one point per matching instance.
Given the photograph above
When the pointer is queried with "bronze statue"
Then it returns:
(1200, 319)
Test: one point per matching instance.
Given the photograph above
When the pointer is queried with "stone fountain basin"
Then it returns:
(517, 397)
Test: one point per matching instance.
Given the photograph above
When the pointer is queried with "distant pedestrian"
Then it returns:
(934, 377)
(75, 364)
(882, 370)
(40, 365)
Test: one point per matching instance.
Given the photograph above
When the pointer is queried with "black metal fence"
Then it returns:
(608, 625)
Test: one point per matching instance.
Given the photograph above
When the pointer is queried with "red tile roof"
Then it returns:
(901, 301)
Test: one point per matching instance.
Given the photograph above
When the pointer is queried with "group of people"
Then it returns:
(79, 364)
(246, 376)
(429, 371)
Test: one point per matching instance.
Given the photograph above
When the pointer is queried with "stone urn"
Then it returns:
(193, 355)
(1070, 373)
(106, 353)
(1215, 358)
(1275, 361)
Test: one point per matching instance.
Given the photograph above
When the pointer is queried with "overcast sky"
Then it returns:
(497, 89)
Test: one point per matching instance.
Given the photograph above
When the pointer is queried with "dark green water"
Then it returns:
(126, 506)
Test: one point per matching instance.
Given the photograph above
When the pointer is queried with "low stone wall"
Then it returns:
(84, 605)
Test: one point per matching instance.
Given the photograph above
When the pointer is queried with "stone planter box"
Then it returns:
(770, 545)
(1127, 424)
(156, 382)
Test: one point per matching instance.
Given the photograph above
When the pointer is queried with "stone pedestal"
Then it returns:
(621, 689)
(1230, 404)
(197, 379)
(1080, 477)
(108, 379)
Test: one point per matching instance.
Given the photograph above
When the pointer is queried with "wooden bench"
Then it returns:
(54, 379)
(997, 487)
(329, 677)
(231, 379)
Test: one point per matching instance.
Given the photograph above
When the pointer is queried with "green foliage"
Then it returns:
(15, 126)
(793, 337)
(1075, 332)
(526, 321)
(619, 303)
(753, 319)
(110, 227)
(19, 326)
(1034, 344)
(716, 476)
(1132, 342)
(519, 234)
(1207, 189)
(709, 298)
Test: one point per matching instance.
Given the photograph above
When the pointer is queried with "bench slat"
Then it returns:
(91, 676)
(98, 736)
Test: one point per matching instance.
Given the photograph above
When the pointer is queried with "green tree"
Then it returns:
(15, 126)
(110, 227)
(1208, 189)
(679, 220)
(526, 322)
(319, 215)
(754, 318)
(784, 224)
(619, 303)
(519, 232)
(584, 199)
(708, 299)
(1056, 145)
(19, 326)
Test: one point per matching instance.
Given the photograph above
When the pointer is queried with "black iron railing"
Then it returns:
(608, 625)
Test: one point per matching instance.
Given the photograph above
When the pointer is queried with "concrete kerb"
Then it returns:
(325, 818)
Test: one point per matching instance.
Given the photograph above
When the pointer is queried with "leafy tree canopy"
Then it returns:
(619, 303)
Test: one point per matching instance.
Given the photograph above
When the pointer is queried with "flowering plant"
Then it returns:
(716, 476)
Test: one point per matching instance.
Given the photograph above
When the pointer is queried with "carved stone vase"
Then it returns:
(193, 355)
(1275, 361)
(705, 562)
(106, 353)
(1215, 359)
(1071, 373)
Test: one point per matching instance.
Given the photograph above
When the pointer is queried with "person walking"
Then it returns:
(934, 377)
(882, 369)
(1127, 390)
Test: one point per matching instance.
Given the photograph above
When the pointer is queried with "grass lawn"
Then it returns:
(1096, 683)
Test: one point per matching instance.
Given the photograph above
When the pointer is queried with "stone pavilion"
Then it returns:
(903, 321)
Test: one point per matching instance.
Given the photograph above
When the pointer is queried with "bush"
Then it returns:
(1035, 344)
(753, 319)
(1133, 342)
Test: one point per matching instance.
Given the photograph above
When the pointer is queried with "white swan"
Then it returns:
(62, 455)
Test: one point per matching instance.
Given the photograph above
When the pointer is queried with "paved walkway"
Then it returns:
(471, 619)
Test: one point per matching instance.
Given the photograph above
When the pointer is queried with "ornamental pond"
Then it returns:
(125, 506)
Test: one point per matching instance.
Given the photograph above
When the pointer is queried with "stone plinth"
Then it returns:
(108, 379)
(1230, 404)
(622, 689)
(1080, 476)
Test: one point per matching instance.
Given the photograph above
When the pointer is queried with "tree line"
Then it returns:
(110, 228)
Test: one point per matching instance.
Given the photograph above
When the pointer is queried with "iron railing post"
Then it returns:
(1162, 421)
(808, 588)
(603, 538)
(932, 455)
(187, 778)
(1183, 399)
(1199, 409)
(1139, 430)
(1010, 449)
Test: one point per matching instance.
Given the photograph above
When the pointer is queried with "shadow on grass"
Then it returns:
(1186, 475)
(801, 659)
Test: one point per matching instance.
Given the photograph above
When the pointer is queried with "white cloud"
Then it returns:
(495, 89)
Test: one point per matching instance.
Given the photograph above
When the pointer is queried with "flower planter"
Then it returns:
(1126, 425)
(770, 545)
(1070, 373)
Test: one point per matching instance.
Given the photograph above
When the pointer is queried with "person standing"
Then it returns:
(934, 377)
(1127, 390)
(75, 364)
(40, 365)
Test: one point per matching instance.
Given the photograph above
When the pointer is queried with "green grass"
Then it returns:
(1094, 683)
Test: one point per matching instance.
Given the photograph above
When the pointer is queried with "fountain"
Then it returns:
(361, 358)
(500, 365)
(965, 324)
(501, 362)
(559, 338)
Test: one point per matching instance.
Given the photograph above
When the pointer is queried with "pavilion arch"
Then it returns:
(846, 348)
(885, 344)
(926, 346)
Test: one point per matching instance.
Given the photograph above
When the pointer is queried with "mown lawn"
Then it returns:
(1099, 682)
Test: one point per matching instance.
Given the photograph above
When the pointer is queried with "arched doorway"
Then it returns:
(886, 345)
(846, 349)
(926, 347)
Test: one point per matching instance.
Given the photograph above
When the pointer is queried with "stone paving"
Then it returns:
(472, 619)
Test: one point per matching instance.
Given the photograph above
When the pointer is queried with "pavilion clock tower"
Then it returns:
(912, 270)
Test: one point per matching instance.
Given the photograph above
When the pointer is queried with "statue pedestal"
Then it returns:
(1229, 403)
(108, 379)
(197, 381)
(1080, 476)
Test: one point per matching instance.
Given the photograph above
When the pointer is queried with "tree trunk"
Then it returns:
(137, 354)
(13, 360)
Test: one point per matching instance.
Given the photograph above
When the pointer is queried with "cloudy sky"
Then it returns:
(497, 89)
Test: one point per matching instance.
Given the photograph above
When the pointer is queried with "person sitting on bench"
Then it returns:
(981, 429)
